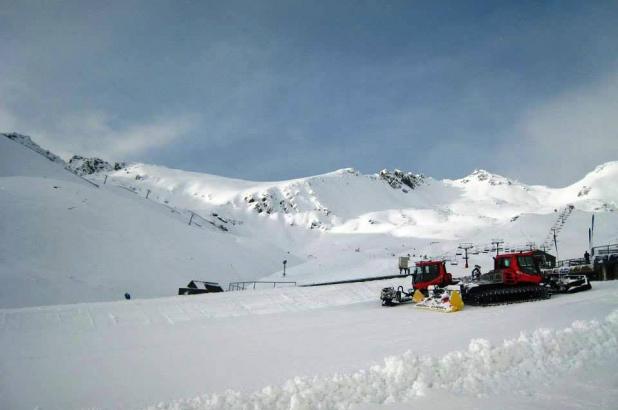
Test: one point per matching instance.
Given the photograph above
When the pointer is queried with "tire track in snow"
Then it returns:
(512, 366)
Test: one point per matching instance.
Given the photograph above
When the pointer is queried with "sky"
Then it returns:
(273, 90)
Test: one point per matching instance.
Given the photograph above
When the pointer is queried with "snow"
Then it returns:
(66, 241)
(281, 348)
(70, 249)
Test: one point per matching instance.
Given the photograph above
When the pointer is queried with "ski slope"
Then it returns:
(331, 347)
(71, 247)
(65, 240)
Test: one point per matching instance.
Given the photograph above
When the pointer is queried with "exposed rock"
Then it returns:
(27, 142)
(584, 191)
(397, 179)
(88, 166)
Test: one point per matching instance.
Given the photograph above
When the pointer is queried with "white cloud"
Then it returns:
(92, 134)
(566, 137)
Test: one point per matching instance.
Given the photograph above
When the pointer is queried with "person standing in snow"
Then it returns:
(476, 272)
(587, 257)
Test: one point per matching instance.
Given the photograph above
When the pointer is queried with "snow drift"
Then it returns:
(515, 364)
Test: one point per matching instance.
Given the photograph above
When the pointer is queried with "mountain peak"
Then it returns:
(27, 142)
(482, 175)
(397, 178)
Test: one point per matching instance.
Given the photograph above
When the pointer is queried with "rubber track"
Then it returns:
(503, 296)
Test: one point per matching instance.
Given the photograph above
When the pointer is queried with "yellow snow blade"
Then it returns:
(456, 301)
(454, 304)
(418, 296)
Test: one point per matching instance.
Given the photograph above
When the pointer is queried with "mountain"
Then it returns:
(65, 240)
(117, 228)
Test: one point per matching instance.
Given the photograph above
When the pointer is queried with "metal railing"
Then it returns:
(234, 286)
(572, 262)
(605, 249)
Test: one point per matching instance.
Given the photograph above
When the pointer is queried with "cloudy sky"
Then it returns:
(272, 90)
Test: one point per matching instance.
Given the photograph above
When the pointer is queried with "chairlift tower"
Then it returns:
(465, 246)
(497, 243)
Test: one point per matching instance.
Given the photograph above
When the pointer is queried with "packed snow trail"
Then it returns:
(132, 354)
(515, 364)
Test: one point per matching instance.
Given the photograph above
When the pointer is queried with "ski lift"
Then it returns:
(454, 263)
(458, 253)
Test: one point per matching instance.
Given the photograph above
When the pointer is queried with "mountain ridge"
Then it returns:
(73, 241)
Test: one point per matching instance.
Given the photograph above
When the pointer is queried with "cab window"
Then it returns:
(503, 263)
(526, 264)
(426, 273)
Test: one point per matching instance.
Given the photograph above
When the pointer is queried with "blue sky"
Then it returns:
(272, 90)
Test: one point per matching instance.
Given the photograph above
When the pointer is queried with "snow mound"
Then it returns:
(514, 365)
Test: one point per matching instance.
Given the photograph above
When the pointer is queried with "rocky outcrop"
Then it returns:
(88, 166)
(400, 179)
(27, 142)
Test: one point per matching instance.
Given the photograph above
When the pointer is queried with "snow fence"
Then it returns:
(541, 355)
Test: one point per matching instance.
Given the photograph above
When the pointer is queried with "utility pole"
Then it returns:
(285, 262)
(191, 219)
(497, 242)
(465, 246)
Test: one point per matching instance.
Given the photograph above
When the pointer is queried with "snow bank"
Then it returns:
(514, 365)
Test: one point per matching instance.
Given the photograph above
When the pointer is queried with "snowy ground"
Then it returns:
(63, 240)
(332, 346)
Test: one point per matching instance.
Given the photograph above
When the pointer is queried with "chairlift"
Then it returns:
(454, 263)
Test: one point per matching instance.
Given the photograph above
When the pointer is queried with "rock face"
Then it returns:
(584, 191)
(399, 179)
(27, 142)
(88, 166)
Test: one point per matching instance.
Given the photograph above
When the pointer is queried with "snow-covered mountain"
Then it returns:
(86, 232)
(65, 240)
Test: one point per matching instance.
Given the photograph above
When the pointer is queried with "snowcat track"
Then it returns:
(506, 296)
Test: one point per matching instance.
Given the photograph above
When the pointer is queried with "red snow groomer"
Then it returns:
(430, 279)
(516, 277)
